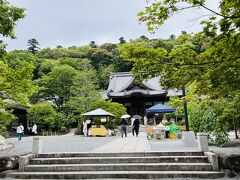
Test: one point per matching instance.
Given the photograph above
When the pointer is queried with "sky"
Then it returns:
(78, 22)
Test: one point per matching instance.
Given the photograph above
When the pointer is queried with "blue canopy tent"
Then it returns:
(160, 108)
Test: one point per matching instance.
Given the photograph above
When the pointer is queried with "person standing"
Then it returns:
(85, 129)
(34, 129)
(136, 124)
(123, 127)
(20, 130)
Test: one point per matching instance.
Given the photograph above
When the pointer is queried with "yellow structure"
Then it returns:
(98, 131)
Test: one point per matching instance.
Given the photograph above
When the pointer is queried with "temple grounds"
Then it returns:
(75, 143)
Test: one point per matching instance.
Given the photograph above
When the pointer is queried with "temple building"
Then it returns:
(137, 95)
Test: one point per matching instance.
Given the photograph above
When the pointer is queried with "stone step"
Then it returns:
(127, 154)
(118, 174)
(120, 167)
(111, 160)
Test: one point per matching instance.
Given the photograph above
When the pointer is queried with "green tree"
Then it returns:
(206, 117)
(104, 74)
(9, 15)
(17, 83)
(122, 40)
(99, 56)
(33, 46)
(56, 85)
(115, 108)
(14, 58)
(43, 114)
(10, 81)
(5, 118)
(84, 89)
(93, 44)
(143, 37)
(159, 11)
(172, 36)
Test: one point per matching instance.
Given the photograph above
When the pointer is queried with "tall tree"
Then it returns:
(84, 89)
(9, 15)
(143, 37)
(33, 46)
(11, 83)
(172, 36)
(56, 85)
(218, 67)
(93, 44)
(122, 40)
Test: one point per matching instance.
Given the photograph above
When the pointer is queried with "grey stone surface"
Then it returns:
(189, 139)
(57, 144)
(8, 162)
(231, 162)
(202, 142)
(25, 160)
(37, 146)
(64, 168)
(213, 159)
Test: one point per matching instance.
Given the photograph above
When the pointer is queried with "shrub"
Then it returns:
(63, 129)
(207, 119)
(44, 115)
(115, 108)
(5, 119)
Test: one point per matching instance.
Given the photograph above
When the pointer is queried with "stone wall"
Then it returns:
(9, 163)
(231, 162)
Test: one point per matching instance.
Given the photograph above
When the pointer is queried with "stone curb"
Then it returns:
(5, 146)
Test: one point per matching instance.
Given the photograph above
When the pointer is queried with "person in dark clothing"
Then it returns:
(136, 124)
(123, 127)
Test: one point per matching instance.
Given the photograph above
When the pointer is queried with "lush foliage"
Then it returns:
(9, 15)
(44, 115)
(207, 117)
(207, 62)
(5, 118)
(115, 108)
(72, 78)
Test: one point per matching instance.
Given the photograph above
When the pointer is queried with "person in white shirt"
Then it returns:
(20, 130)
(34, 129)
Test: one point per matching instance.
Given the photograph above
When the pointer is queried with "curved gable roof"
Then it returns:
(121, 81)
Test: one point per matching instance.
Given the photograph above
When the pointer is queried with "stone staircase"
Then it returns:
(135, 165)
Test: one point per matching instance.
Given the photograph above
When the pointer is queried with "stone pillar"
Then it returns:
(213, 159)
(189, 139)
(202, 142)
(25, 160)
(37, 145)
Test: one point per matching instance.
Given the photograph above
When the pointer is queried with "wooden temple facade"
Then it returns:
(137, 95)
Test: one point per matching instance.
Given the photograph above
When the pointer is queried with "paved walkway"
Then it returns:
(72, 143)
(127, 144)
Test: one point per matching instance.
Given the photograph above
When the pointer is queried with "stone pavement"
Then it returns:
(57, 144)
(126, 144)
(72, 143)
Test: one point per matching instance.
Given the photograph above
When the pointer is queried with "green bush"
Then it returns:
(63, 129)
(5, 119)
(115, 108)
(111, 125)
(207, 119)
(168, 123)
(44, 115)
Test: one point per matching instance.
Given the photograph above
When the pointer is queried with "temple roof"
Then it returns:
(121, 84)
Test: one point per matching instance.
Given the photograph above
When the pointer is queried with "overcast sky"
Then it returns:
(77, 22)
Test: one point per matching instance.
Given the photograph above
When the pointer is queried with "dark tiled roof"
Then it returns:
(121, 81)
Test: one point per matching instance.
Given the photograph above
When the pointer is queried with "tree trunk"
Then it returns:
(235, 128)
